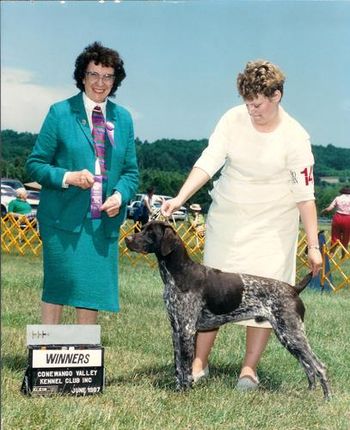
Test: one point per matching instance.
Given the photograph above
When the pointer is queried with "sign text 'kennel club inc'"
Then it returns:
(64, 359)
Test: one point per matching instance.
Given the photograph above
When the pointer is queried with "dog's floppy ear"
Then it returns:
(168, 242)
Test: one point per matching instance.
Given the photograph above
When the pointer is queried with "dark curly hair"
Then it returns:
(260, 77)
(99, 54)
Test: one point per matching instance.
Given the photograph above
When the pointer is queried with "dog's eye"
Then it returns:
(149, 239)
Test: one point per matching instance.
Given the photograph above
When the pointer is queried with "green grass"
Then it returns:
(139, 390)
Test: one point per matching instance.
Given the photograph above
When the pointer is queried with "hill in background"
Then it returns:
(165, 164)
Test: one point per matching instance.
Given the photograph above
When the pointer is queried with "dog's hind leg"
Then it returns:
(312, 364)
(293, 338)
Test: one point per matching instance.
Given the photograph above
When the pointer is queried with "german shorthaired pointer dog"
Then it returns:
(200, 298)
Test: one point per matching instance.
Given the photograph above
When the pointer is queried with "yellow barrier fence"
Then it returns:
(21, 235)
(338, 257)
(336, 263)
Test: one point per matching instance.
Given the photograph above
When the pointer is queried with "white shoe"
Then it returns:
(200, 375)
(247, 383)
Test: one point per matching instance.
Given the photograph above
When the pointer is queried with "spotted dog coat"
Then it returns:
(200, 298)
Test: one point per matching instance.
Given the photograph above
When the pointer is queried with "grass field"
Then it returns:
(139, 390)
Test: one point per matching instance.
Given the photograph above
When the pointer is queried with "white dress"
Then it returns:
(253, 221)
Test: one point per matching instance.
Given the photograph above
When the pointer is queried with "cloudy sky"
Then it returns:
(181, 59)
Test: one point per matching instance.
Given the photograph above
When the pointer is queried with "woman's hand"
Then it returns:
(196, 179)
(112, 205)
(82, 179)
(170, 206)
(315, 260)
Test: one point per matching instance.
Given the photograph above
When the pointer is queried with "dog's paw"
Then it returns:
(312, 386)
(183, 385)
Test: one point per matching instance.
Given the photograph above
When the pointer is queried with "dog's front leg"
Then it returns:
(183, 343)
(177, 352)
(183, 311)
(187, 346)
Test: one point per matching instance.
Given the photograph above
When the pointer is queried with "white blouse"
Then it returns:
(90, 106)
(259, 167)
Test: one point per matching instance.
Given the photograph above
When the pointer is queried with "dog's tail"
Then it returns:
(303, 283)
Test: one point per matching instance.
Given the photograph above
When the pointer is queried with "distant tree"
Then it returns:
(166, 163)
(324, 196)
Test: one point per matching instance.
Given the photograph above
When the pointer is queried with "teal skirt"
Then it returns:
(80, 269)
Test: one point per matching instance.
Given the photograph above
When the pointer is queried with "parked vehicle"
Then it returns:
(33, 199)
(13, 183)
(131, 208)
(179, 215)
(7, 194)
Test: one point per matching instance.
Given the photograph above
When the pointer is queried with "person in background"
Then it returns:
(340, 229)
(85, 160)
(196, 219)
(265, 184)
(19, 206)
(147, 205)
(144, 210)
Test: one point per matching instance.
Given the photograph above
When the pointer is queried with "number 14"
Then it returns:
(307, 175)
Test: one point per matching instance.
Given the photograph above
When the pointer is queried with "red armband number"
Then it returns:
(307, 172)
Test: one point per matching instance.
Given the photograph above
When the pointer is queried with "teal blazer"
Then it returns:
(65, 144)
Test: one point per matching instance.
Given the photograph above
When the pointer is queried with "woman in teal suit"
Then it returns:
(85, 160)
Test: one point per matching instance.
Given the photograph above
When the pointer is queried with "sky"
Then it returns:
(181, 59)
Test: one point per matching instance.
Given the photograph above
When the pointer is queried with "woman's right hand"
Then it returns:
(170, 206)
(196, 179)
(82, 179)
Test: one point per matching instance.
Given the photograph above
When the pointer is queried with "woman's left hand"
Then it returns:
(112, 205)
(315, 260)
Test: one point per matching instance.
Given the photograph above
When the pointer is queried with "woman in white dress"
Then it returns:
(265, 184)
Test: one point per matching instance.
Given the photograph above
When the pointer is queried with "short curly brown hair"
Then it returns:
(99, 54)
(260, 77)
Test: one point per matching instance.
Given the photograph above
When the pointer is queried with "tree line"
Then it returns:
(165, 164)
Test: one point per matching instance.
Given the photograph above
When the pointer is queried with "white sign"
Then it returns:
(63, 334)
(51, 358)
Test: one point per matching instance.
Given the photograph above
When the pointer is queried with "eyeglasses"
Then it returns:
(95, 77)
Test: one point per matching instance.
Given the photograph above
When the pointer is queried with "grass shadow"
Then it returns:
(14, 363)
(229, 374)
(162, 377)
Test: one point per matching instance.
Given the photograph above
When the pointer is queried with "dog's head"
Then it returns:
(155, 237)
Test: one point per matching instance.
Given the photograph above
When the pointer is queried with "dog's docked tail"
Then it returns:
(303, 283)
